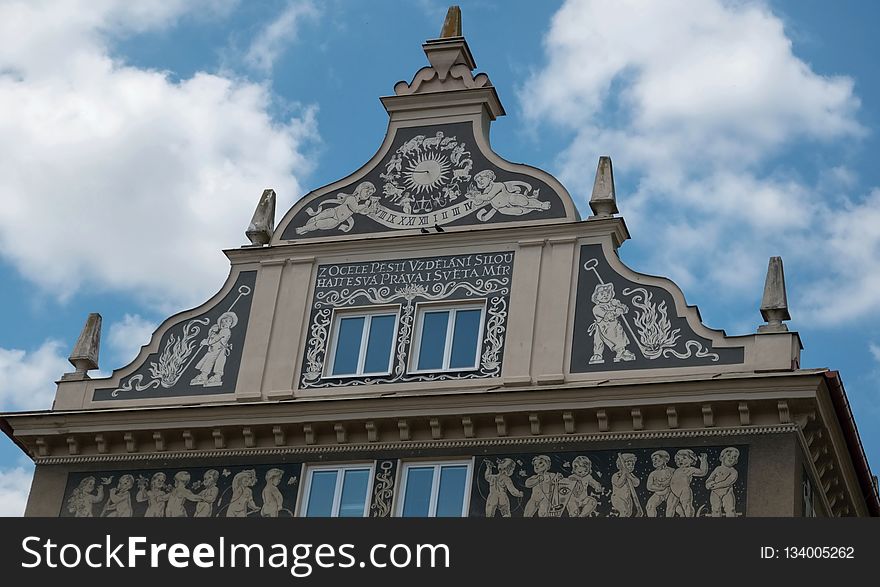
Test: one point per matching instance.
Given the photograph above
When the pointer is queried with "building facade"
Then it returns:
(441, 334)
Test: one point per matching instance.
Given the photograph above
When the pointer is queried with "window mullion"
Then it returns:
(337, 493)
(362, 354)
(450, 331)
(435, 492)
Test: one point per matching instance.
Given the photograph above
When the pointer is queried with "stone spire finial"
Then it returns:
(774, 304)
(262, 225)
(452, 24)
(85, 352)
(603, 201)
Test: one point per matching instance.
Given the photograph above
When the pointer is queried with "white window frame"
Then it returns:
(337, 492)
(435, 486)
(367, 313)
(452, 308)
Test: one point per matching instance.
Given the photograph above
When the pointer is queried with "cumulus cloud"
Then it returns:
(124, 177)
(271, 41)
(698, 101)
(875, 351)
(126, 338)
(15, 485)
(851, 251)
(27, 378)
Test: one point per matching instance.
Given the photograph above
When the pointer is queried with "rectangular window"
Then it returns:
(337, 492)
(362, 343)
(447, 337)
(435, 490)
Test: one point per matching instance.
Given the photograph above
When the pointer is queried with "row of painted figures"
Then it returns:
(166, 500)
(553, 494)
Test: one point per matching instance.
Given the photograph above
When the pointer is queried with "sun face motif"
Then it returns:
(427, 172)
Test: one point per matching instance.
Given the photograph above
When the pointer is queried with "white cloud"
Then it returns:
(850, 251)
(125, 338)
(875, 351)
(696, 100)
(271, 41)
(15, 484)
(26, 378)
(123, 177)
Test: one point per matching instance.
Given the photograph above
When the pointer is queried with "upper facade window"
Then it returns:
(447, 338)
(362, 343)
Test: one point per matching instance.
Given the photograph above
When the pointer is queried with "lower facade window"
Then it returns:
(435, 490)
(337, 491)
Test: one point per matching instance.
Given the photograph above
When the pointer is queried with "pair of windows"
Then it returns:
(446, 338)
(427, 490)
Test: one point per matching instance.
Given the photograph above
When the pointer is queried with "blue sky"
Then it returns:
(136, 138)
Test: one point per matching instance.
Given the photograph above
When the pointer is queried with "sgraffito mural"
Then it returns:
(661, 482)
(620, 324)
(198, 356)
(195, 492)
(383, 488)
(666, 481)
(431, 176)
(403, 284)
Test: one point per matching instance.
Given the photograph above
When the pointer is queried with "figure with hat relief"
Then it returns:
(212, 364)
(607, 330)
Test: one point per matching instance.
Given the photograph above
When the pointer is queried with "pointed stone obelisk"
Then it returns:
(450, 48)
(774, 304)
(262, 225)
(84, 356)
(603, 200)
(452, 24)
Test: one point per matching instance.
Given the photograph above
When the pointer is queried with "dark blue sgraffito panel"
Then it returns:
(198, 356)
(657, 482)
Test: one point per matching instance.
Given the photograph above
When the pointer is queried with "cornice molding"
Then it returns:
(422, 445)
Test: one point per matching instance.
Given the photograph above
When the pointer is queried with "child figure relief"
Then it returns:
(681, 498)
(119, 503)
(581, 503)
(212, 365)
(512, 198)
(272, 498)
(624, 500)
(722, 498)
(543, 485)
(208, 495)
(156, 496)
(500, 484)
(180, 494)
(242, 502)
(607, 329)
(658, 484)
(82, 502)
(341, 216)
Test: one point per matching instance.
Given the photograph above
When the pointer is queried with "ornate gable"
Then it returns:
(435, 169)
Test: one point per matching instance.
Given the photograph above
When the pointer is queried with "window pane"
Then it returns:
(464, 339)
(381, 337)
(433, 340)
(348, 346)
(354, 493)
(417, 500)
(450, 497)
(321, 494)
